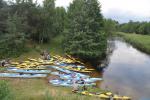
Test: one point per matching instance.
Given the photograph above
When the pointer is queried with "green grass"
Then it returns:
(141, 42)
(40, 89)
(54, 47)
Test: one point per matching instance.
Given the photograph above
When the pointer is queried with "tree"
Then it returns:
(110, 26)
(3, 16)
(47, 29)
(15, 25)
(60, 20)
(84, 38)
(136, 27)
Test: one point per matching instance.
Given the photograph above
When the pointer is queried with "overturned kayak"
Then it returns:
(17, 75)
(68, 83)
(29, 71)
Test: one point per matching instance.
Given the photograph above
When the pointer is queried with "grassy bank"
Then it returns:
(40, 89)
(141, 42)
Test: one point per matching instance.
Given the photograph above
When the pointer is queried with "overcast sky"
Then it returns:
(120, 10)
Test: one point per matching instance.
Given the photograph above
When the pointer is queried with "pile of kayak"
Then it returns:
(68, 63)
(66, 69)
(32, 64)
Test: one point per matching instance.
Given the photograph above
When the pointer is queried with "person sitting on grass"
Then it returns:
(75, 86)
(82, 81)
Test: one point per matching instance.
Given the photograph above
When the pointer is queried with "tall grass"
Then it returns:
(141, 42)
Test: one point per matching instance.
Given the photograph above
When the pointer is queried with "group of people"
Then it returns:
(45, 55)
(77, 82)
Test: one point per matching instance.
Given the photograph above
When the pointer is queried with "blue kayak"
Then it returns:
(17, 75)
(29, 71)
(68, 83)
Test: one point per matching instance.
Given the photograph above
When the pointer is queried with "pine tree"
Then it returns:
(84, 38)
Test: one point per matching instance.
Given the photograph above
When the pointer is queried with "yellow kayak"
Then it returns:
(85, 92)
(103, 96)
(77, 70)
(26, 61)
(14, 63)
(32, 59)
(21, 67)
(109, 93)
(116, 97)
(126, 98)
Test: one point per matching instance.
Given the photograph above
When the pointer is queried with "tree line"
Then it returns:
(26, 20)
(135, 27)
(81, 24)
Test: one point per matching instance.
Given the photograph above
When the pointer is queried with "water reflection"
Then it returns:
(128, 71)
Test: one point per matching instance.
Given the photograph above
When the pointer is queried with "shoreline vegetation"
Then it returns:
(142, 42)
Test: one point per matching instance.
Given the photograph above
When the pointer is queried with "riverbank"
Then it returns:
(141, 42)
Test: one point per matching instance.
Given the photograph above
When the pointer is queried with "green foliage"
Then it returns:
(12, 42)
(11, 45)
(84, 38)
(3, 16)
(110, 26)
(60, 20)
(4, 91)
(136, 27)
(82, 24)
(22, 20)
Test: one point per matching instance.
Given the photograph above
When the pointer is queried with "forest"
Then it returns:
(23, 21)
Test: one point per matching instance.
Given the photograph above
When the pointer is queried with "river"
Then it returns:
(128, 71)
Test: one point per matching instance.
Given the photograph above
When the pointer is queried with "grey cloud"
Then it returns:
(123, 17)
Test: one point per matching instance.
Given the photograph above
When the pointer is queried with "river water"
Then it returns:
(128, 71)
